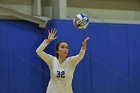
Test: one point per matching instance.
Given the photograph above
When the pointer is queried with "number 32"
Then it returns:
(61, 74)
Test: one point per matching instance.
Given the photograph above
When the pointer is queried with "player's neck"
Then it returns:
(61, 60)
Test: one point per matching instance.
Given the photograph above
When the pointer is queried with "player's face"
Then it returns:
(63, 50)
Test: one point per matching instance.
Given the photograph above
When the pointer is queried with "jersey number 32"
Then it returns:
(61, 74)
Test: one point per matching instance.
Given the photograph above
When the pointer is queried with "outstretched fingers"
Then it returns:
(52, 31)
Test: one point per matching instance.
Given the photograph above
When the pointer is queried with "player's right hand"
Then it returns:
(52, 34)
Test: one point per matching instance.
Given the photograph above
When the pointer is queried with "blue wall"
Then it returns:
(111, 63)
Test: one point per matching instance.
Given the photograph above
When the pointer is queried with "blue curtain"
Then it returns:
(110, 65)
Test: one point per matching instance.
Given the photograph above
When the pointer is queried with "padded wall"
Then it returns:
(111, 63)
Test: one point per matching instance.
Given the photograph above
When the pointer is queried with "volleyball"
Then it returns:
(81, 21)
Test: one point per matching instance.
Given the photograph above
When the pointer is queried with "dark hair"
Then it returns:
(56, 48)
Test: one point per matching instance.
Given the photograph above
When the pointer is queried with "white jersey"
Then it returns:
(62, 74)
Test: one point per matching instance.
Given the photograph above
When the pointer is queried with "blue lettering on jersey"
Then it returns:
(61, 74)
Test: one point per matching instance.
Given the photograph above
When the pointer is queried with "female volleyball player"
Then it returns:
(61, 67)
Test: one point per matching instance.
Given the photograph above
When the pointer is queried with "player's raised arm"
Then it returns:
(40, 50)
(84, 43)
(78, 58)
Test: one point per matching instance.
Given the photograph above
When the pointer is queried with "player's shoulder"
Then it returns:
(55, 58)
(70, 58)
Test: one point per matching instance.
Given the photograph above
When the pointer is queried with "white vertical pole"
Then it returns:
(36, 8)
(59, 9)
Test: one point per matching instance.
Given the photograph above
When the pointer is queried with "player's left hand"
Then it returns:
(84, 43)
